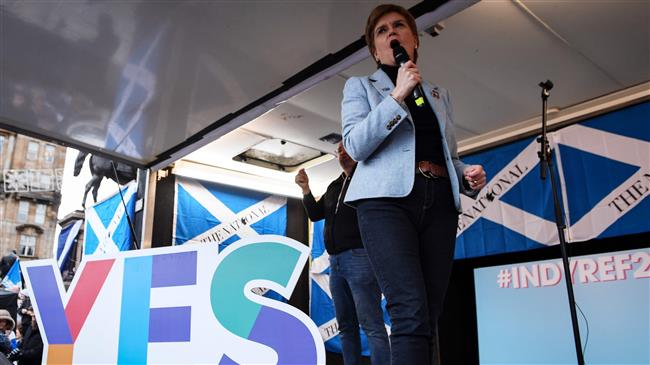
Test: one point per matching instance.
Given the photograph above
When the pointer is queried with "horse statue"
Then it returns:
(100, 168)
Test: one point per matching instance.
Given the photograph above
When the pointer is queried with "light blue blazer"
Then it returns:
(379, 133)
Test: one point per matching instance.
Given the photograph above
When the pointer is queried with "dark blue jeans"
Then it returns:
(357, 300)
(410, 243)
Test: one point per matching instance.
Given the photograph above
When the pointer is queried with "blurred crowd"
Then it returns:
(20, 337)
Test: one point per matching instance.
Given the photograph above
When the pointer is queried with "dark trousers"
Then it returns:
(357, 301)
(410, 243)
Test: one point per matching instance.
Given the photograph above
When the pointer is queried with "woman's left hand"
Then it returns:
(475, 176)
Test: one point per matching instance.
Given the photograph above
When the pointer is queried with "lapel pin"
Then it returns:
(385, 89)
(435, 94)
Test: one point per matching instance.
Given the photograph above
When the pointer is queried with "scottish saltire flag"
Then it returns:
(214, 213)
(606, 174)
(219, 214)
(66, 242)
(107, 228)
(602, 167)
(13, 277)
(321, 306)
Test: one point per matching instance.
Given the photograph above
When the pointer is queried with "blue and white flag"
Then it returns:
(321, 306)
(13, 277)
(67, 239)
(107, 228)
(219, 214)
(606, 174)
(214, 213)
(602, 167)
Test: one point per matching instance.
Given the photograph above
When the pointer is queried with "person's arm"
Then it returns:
(315, 209)
(364, 129)
(459, 166)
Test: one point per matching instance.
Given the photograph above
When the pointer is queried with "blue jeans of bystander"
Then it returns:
(357, 300)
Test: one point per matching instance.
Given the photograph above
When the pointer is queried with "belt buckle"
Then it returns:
(428, 174)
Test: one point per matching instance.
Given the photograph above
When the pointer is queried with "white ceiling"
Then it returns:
(205, 60)
(491, 57)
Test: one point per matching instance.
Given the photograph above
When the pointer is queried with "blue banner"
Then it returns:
(67, 240)
(107, 229)
(219, 214)
(209, 212)
(603, 173)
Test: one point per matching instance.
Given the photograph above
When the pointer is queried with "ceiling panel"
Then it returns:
(297, 125)
(323, 99)
(144, 76)
(614, 35)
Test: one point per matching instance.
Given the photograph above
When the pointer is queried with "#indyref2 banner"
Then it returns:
(523, 314)
(603, 169)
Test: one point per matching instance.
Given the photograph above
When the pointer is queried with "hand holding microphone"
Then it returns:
(408, 76)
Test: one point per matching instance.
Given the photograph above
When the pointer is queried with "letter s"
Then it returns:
(274, 262)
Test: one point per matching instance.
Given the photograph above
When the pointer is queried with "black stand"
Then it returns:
(126, 211)
(546, 162)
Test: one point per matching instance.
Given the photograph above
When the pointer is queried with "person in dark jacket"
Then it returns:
(355, 292)
(24, 306)
(30, 350)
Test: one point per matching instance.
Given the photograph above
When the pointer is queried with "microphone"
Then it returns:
(401, 57)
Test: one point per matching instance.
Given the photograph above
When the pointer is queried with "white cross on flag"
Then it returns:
(603, 171)
(214, 213)
(107, 228)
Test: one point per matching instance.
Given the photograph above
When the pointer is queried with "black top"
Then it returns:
(341, 226)
(32, 347)
(428, 140)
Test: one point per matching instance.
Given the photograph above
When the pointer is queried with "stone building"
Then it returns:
(30, 194)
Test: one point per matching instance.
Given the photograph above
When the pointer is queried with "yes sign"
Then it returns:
(183, 304)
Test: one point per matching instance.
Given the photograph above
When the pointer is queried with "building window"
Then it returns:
(40, 214)
(27, 245)
(49, 154)
(23, 211)
(2, 145)
(43, 180)
(32, 150)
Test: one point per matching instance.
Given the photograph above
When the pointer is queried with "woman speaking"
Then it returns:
(408, 180)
